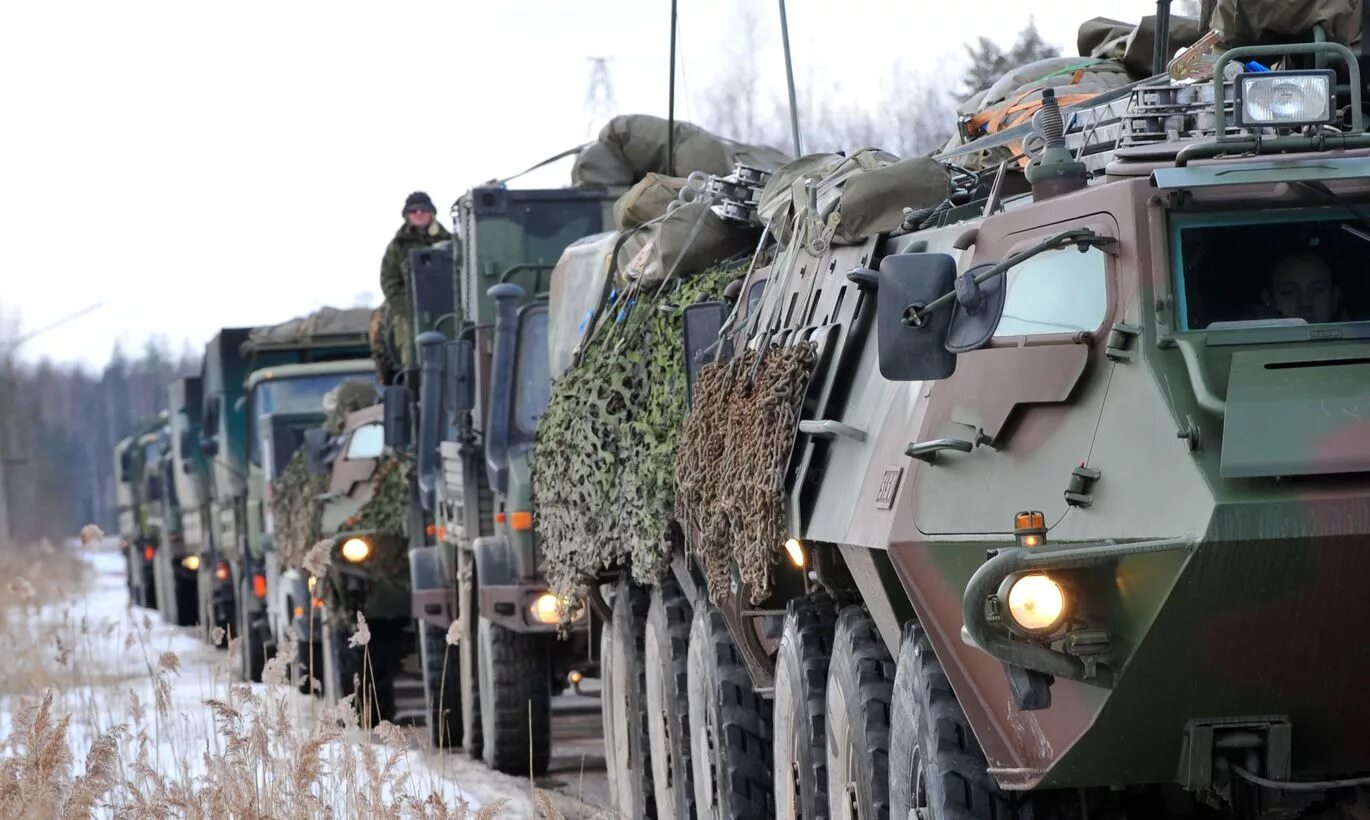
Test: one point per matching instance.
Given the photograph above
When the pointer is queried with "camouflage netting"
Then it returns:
(730, 469)
(295, 511)
(382, 517)
(604, 473)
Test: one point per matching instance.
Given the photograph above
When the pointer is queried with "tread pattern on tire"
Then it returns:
(632, 601)
(957, 785)
(441, 687)
(744, 720)
(518, 676)
(674, 624)
(812, 621)
(859, 655)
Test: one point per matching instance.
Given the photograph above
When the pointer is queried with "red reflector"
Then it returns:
(149, 553)
(259, 586)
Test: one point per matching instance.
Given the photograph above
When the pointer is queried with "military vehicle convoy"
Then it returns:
(1045, 498)
(140, 496)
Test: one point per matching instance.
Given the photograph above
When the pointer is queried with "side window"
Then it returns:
(1062, 291)
(366, 442)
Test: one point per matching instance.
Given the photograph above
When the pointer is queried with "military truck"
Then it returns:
(177, 561)
(1046, 501)
(140, 495)
(240, 390)
(481, 395)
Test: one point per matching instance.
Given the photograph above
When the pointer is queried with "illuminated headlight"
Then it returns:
(356, 550)
(1037, 604)
(191, 562)
(547, 608)
(1286, 98)
(312, 582)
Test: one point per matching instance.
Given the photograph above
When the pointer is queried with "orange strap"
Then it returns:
(1015, 112)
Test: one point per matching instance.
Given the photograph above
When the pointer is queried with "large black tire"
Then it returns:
(624, 703)
(516, 700)
(666, 656)
(441, 686)
(374, 667)
(730, 726)
(860, 684)
(251, 632)
(183, 598)
(936, 766)
(801, 684)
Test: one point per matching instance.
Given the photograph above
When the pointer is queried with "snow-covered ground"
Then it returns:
(184, 730)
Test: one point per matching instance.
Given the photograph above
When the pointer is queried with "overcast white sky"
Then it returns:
(202, 164)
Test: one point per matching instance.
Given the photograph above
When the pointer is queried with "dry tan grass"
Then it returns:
(149, 746)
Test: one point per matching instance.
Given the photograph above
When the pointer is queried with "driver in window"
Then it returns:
(1301, 286)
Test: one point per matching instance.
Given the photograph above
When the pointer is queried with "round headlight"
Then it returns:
(1037, 604)
(356, 550)
(545, 609)
(191, 562)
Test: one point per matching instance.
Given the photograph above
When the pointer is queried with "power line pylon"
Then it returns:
(600, 104)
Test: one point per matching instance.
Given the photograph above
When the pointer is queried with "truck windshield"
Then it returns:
(1289, 267)
(533, 380)
(291, 395)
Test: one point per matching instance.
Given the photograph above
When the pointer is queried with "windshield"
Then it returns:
(1291, 267)
(533, 381)
(366, 442)
(298, 395)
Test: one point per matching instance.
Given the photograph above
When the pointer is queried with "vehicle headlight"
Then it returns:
(356, 550)
(191, 562)
(312, 582)
(1286, 98)
(1037, 604)
(547, 608)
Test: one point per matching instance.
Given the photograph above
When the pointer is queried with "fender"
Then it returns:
(434, 599)
(503, 597)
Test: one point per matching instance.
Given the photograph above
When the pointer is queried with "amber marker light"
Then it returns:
(1030, 529)
(520, 521)
(149, 553)
(259, 586)
(356, 550)
(191, 562)
(575, 677)
(795, 548)
(1037, 604)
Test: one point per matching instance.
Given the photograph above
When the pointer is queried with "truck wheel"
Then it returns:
(730, 725)
(801, 683)
(252, 641)
(937, 770)
(860, 680)
(666, 654)
(345, 667)
(625, 703)
(441, 686)
(184, 602)
(516, 700)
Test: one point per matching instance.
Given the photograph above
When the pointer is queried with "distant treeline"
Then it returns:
(60, 423)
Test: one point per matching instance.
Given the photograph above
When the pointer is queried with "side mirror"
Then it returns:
(315, 451)
(911, 352)
(153, 487)
(432, 358)
(397, 398)
(703, 321)
(461, 388)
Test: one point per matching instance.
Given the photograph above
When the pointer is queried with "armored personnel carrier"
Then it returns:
(1049, 500)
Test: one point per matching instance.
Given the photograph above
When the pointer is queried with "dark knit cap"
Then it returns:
(417, 200)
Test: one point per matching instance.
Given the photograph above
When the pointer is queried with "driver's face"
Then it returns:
(1301, 288)
(418, 217)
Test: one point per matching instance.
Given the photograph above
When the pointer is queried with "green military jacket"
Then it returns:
(394, 285)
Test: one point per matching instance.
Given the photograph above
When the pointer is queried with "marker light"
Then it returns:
(1037, 604)
(795, 548)
(1286, 98)
(576, 676)
(356, 550)
(1030, 528)
(149, 553)
(520, 521)
(222, 571)
(312, 582)
(191, 562)
(259, 586)
(545, 609)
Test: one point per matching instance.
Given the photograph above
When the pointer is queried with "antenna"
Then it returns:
(670, 105)
(599, 97)
(789, 82)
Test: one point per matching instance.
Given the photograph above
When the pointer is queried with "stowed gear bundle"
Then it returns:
(604, 475)
(730, 468)
(295, 511)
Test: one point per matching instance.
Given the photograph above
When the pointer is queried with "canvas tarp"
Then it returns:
(1133, 45)
(854, 196)
(322, 323)
(1251, 22)
(683, 242)
(648, 199)
(633, 145)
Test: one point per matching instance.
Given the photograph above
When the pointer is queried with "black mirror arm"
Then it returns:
(1083, 238)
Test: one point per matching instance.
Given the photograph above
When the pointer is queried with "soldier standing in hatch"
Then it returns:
(420, 229)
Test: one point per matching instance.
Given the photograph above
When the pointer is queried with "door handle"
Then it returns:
(927, 450)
